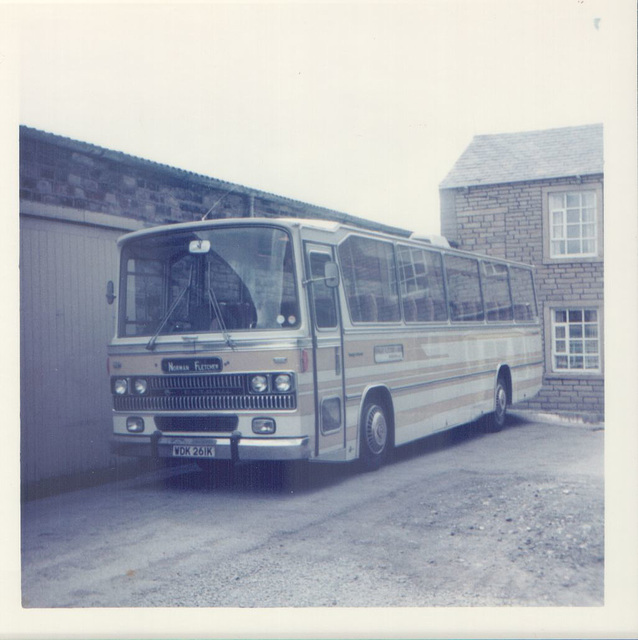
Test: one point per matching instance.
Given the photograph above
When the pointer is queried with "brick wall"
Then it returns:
(507, 221)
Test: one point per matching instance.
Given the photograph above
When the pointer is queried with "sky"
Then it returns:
(358, 107)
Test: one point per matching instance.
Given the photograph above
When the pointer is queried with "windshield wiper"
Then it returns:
(218, 310)
(220, 318)
(150, 345)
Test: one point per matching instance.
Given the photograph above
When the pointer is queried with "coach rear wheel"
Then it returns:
(375, 436)
(496, 419)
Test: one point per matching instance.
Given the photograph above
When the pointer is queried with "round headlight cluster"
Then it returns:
(259, 384)
(140, 385)
(283, 383)
(120, 386)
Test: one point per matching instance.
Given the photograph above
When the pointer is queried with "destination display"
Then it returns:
(191, 365)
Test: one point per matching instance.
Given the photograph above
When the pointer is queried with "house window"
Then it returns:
(576, 340)
(573, 223)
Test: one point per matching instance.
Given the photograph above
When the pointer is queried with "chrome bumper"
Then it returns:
(235, 447)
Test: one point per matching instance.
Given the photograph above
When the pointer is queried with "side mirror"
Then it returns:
(110, 292)
(331, 274)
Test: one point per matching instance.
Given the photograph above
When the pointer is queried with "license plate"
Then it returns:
(192, 451)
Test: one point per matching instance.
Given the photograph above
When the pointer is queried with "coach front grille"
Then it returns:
(197, 424)
(210, 392)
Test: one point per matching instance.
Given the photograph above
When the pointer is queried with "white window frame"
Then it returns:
(569, 328)
(573, 222)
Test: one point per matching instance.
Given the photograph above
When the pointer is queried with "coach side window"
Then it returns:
(496, 291)
(464, 289)
(323, 298)
(523, 295)
(421, 285)
(369, 279)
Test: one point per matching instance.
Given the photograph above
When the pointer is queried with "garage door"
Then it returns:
(65, 324)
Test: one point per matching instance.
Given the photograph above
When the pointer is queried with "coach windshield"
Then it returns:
(212, 280)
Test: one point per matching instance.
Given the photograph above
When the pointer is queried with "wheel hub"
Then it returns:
(501, 401)
(376, 431)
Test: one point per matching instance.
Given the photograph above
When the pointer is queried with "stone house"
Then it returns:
(537, 197)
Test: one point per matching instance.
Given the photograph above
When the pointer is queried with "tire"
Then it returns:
(375, 436)
(496, 420)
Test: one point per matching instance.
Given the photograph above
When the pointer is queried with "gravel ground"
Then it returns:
(459, 519)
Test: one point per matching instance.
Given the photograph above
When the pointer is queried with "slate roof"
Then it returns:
(529, 155)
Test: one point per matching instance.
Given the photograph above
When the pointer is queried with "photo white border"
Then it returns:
(617, 618)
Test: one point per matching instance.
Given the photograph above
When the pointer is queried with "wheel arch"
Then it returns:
(504, 372)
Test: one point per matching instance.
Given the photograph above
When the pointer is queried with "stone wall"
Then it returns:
(58, 171)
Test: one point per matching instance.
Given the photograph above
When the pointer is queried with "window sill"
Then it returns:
(573, 375)
(572, 259)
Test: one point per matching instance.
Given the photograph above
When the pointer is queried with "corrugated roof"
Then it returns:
(529, 155)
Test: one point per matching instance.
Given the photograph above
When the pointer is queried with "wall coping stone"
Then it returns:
(79, 216)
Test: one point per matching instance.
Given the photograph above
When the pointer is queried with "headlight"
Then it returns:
(135, 424)
(259, 384)
(283, 383)
(140, 385)
(120, 386)
(263, 425)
